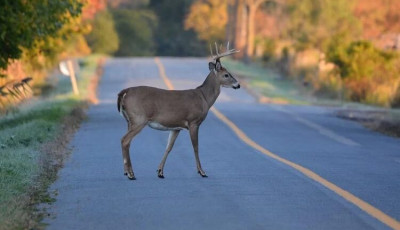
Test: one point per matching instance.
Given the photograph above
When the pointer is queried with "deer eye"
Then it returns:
(226, 75)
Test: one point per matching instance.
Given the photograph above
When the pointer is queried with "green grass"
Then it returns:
(269, 83)
(22, 135)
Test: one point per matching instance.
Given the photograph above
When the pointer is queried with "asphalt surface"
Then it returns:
(245, 189)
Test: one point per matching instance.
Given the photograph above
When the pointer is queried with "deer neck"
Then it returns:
(210, 89)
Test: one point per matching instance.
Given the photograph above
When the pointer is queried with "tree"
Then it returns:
(208, 18)
(242, 24)
(236, 28)
(251, 7)
(135, 30)
(103, 38)
(24, 23)
(211, 18)
(312, 23)
(128, 4)
(378, 17)
(170, 36)
(92, 7)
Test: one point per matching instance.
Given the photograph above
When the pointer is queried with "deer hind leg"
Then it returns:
(171, 140)
(194, 136)
(133, 130)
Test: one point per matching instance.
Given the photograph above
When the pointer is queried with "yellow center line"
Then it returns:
(161, 70)
(363, 205)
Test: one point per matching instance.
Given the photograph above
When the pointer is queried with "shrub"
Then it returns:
(269, 49)
(369, 74)
(328, 85)
(396, 99)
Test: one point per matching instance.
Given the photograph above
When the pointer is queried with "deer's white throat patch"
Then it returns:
(158, 126)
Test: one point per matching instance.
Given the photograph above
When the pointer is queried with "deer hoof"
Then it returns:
(131, 176)
(160, 174)
(202, 174)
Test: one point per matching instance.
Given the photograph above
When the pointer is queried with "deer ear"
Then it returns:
(218, 66)
(211, 66)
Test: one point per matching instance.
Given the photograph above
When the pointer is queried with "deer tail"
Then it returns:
(121, 96)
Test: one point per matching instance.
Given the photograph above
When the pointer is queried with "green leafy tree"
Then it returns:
(135, 30)
(103, 38)
(312, 23)
(24, 23)
(170, 36)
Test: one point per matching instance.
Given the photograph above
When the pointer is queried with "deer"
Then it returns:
(172, 110)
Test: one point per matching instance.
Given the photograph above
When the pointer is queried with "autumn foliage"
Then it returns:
(339, 47)
(35, 35)
(208, 18)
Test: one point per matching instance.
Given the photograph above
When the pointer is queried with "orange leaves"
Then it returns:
(378, 16)
(92, 7)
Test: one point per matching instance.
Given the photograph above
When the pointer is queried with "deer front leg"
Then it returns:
(194, 136)
(171, 140)
(125, 144)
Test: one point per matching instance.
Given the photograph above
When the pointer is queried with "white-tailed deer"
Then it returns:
(172, 110)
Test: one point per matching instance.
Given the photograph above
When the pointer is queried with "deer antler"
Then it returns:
(220, 55)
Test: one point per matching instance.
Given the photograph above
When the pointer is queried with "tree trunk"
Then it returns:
(241, 29)
(251, 9)
(231, 25)
(241, 26)
(236, 28)
(251, 30)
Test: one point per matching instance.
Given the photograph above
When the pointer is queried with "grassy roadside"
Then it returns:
(33, 144)
(268, 87)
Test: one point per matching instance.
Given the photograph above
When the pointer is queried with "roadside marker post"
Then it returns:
(67, 69)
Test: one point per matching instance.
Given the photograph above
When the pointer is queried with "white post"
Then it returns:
(72, 76)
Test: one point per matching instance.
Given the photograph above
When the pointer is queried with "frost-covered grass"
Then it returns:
(22, 135)
(21, 138)
(268, 83)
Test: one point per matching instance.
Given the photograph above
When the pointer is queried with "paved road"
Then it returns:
(245, 188)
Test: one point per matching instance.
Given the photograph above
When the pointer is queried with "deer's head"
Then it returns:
(224, 78)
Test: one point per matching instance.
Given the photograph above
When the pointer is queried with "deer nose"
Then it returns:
(236, 86)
